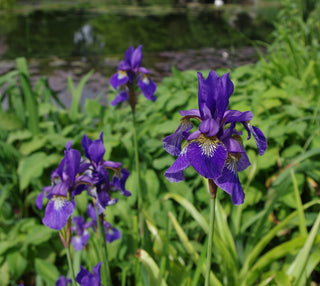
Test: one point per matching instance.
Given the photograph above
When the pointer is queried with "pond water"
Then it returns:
(73, 41)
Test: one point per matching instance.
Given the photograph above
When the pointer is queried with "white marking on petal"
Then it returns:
(122, 74)
(145, 80)
(208, 145)
(59, 202)
(232, 162)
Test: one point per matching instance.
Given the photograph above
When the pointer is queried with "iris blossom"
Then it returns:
(131, 73)
(86, 278)
(98, 173)
(80, 228)
(75, 175)
(215, 150)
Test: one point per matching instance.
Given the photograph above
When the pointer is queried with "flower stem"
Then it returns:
(102, 237)
(139, 193)
(73, 277)
(212, 191)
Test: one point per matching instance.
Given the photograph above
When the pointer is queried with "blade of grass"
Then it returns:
(190, 249)
(259, 247)
(302, 220)
(297, 267)
(76, 94)
(30, 100)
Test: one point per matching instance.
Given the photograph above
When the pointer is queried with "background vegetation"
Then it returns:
(273, 239)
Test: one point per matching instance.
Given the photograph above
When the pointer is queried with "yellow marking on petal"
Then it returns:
(122, 74)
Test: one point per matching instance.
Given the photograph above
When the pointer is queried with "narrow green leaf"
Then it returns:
(76, 94)
(302, 220)
(297, 267)
(192, 252)
(47, 271)
(152, 269)
(30, 100)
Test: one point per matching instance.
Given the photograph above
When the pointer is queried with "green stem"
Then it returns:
(73, 277)
(102, 237)
(139, 193)
(212, 191)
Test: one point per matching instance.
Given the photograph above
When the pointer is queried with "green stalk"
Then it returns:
(139, 194)
(106, 277)
(73, 277)
(212, 191)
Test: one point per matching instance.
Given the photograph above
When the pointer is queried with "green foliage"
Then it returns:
(272, 239)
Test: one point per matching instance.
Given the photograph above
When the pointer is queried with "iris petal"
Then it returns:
(148, 88)
(207, 155)
(175, 172)
(57, 213)
(172, 143)
(229, 181)
(122, 96)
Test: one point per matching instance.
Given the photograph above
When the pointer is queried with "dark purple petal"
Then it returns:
(207, 155)
(143, 70)
(229, 180)
(40, 197)
(122, 96)
(148, 88)
(209, 126)
(57, 212)
(194, 135)
(91, 212)
(175, 172)
(63, 281)
(213, 96)
(243, 162)
(259, 137)
(237, 116)
(136, 57)
(72, 164)
(112, 234)
(85, 278)
(85, 143)
(128, 54)
(119, 181)
(119, 78)
(96, 150)
(233, 145)
(172, 143)
(60, 189)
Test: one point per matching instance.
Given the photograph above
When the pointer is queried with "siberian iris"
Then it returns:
(215, 150)
(129, 74)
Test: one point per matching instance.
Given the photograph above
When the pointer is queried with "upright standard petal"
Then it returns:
(207, 155)
(136, 57)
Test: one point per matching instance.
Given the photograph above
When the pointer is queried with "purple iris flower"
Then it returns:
(86, 278)
(131, 73)
(215, 150)
(63, 281)
(60, 207)
(80, 228)
(98, 174)
(111, 233)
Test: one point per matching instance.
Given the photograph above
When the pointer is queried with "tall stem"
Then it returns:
(212, 192)
(139, 193)
(73, 277)
(102, 237)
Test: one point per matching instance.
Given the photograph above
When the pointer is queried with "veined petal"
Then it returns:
(57, 212)
(237, 116)
(207, 155)
(96, 150)
(229, 180)
(148, 87)
(175, 172)
(172, 143)
(122, 96)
